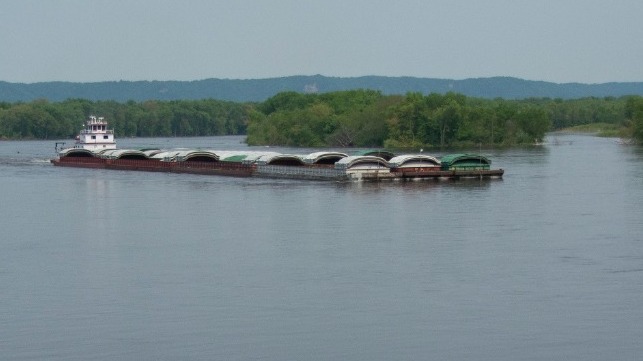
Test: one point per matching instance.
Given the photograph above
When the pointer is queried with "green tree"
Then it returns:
(449, 117)
(634, 112)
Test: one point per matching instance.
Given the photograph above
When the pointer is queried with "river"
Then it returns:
(544, 264)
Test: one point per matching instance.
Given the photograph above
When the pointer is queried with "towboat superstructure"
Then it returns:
(95, 136)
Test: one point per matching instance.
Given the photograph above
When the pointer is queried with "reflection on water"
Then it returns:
(543, 264)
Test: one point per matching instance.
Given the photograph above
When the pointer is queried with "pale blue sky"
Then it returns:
(587, 41)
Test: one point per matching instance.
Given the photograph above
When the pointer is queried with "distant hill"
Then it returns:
(240, 90)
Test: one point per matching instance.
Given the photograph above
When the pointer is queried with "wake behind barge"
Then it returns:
(96, 148)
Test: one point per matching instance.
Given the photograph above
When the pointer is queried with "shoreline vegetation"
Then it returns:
(353, 118)
(599, 129)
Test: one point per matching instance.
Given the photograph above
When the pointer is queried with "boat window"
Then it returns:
(93, 137)
(105, 137)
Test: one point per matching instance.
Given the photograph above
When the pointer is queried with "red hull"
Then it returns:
(245, 170)
(216, 168)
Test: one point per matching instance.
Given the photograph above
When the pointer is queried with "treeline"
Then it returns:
(41, 119)
(368, 118)
(361, 118)
(634, 116)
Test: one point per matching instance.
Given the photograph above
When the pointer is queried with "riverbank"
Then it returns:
(605, 130)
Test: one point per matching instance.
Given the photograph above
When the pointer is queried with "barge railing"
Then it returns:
(314, 173)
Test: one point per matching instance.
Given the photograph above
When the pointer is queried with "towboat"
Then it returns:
(95, 136)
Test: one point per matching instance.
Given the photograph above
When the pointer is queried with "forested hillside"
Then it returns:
(368, 118)
(257, 90)
(345, 118)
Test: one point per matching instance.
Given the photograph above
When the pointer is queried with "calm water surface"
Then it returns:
(546, 264)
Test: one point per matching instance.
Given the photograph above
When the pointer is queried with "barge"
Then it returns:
(95, 147)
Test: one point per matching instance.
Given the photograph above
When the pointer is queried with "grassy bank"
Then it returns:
(599, 129)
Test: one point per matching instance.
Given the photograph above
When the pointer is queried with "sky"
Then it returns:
(561, 41)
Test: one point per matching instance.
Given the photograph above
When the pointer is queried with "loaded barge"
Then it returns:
(95, 147)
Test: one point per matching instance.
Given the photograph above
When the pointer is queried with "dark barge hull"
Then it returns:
(269, 171)
(435, 174)
(208, 168)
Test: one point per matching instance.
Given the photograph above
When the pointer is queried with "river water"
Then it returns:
(545, 264)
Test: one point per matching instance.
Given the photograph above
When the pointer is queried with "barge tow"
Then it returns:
(95, 147)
